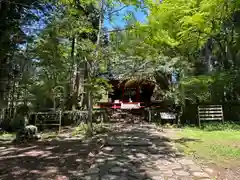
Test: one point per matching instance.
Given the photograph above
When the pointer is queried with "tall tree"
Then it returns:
(13, 16)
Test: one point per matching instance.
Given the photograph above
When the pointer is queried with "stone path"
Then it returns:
(141, 152)
(128, 152)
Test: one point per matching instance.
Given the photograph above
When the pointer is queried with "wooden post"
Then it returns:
(54, 103)
(35, 121)
(44, 122)
(60, 121)
(149, 115)
(199, 120)
(105, 116)
(222, 115)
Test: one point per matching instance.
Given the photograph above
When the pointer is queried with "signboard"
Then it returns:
(167, 115)
(130, 106)
(210, 113)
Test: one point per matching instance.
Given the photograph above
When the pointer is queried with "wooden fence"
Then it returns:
(55, 118)
(210, 113)
(45, 119)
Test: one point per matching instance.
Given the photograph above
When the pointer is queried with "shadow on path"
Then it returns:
(130, 152)
(134, 152)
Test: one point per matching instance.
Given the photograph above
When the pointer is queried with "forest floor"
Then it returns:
(126, 151)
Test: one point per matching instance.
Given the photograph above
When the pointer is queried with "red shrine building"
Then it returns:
(129, 94)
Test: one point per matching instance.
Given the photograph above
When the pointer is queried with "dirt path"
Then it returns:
(130, 152)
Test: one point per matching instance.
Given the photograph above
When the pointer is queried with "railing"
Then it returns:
(54, 118)
(210, 113)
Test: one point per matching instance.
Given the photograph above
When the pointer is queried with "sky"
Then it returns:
(118, 21)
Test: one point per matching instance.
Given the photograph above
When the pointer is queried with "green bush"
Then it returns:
(218, 126)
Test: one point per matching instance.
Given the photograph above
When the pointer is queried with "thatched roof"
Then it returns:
(160, 78)
(133, 83)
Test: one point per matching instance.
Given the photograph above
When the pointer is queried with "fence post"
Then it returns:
(199, 121)
(35, 119)
(60, 121)
(149, 115)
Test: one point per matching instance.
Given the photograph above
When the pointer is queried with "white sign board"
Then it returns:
(130, 106)
(166, 115)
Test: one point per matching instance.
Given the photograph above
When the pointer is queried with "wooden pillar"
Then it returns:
(35, 119)
(149, 115)
(60, 122)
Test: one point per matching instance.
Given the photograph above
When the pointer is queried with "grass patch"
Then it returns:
(216, 126)
(219, 144)
(6, 135)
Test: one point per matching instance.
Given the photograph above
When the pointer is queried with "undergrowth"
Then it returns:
(4, 134)
(218, 126)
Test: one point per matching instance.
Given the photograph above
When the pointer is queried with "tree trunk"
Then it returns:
(69, 89)
(182, 100)
(90, 112)
(13, 99)
(91, 65)
(84, 98)
(208, 56)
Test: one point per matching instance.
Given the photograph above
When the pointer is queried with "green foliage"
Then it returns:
(187, 25)
(4, 135)
(54, 59)
(210, 88)
(226, 126)
(82, 129)
(14, 17)
(197, 87)
(98, 86)
(185, 30)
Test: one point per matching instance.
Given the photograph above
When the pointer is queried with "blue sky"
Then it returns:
(118, 21)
